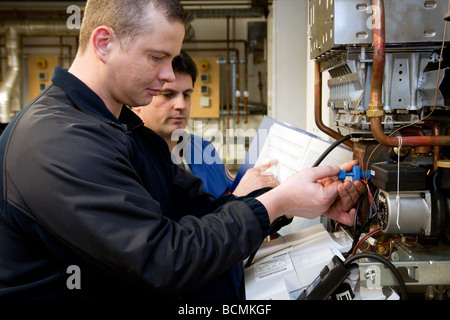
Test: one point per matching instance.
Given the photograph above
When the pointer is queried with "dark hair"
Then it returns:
(183, 63)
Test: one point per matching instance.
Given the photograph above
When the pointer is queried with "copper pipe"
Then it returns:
(382, 138)
(412, 130)
(379, 57)
(318, 108)
(436, 149)
(416, 131)
(375, 111)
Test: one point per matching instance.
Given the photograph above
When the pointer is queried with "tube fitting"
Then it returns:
(375, 110)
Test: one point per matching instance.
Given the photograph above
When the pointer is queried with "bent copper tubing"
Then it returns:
(318, 108)
(375, 111)
(382, 138)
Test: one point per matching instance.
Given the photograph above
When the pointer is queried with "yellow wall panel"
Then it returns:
(40, 71)
(206, 96)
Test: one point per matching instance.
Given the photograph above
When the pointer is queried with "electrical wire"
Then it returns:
(332, 146)
(435, 96)
(362, 240)
(371, 198)
(387, 263)
(355, 221)
(352, 257)
(357, 233)
(317, 163)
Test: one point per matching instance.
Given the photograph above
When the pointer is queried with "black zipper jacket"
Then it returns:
(82, 190)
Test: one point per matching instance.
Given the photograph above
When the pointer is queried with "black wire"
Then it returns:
(318, 161)
(276, 225)
(355, 221)
(357, 234)
(387, 263)
(330, 148)
(355, 226)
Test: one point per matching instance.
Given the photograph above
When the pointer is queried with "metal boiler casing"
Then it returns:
(334, 23)
(341, 40)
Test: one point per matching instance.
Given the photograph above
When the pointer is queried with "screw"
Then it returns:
(370, 274)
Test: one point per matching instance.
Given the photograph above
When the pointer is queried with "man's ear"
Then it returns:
(102, 39)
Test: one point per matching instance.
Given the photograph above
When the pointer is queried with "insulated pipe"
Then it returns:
(375, 111)
(13, 74)
(318, 108)
(13, 31)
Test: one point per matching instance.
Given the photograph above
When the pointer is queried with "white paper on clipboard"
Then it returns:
(283, 267)
(296, 150)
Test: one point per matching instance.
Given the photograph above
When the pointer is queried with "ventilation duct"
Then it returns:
(13, 32)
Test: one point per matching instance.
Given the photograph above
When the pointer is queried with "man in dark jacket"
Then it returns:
(168, 115)
(92, 206)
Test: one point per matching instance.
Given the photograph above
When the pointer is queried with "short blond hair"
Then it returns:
(126, 18)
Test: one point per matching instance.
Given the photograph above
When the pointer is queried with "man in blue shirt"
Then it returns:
(167, 115)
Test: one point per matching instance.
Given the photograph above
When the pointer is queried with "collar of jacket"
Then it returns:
(89, 102)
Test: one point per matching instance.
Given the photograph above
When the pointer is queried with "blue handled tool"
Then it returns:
(356, 173)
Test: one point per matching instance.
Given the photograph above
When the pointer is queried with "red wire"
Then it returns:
(363, 239)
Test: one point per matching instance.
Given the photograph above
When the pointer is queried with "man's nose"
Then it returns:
(180, 103)
(167, 74)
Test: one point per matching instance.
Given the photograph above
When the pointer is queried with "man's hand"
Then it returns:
(348, 196)
(256, 178)
(314, 192)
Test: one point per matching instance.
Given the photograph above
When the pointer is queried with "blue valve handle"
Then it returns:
(356, 173)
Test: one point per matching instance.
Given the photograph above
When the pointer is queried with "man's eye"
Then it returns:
(157, 59)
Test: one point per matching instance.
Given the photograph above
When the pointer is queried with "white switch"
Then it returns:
(204, 102)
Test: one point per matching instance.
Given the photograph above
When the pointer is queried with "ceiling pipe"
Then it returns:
(13, 31)
(375, 111)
